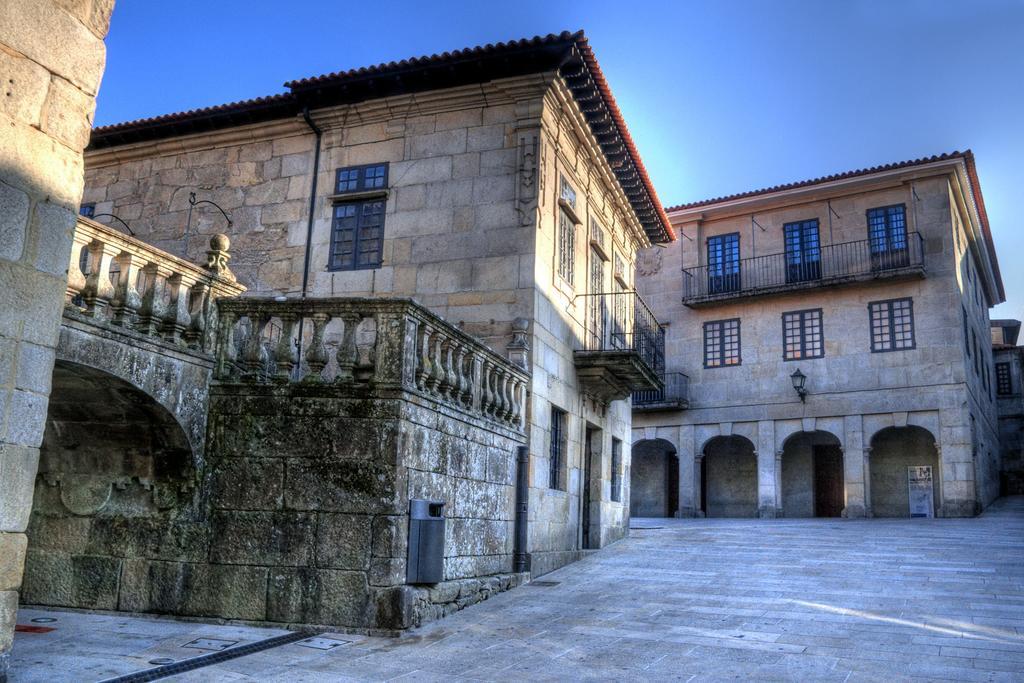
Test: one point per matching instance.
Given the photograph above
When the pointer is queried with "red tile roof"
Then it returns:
(469, 65)
(972, 176)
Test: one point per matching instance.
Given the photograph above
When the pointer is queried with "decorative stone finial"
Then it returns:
(217, 256)
(519, 348)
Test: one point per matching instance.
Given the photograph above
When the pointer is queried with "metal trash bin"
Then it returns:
(426, 542)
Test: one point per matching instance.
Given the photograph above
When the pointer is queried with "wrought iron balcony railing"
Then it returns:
(827, 265)
(623, 346)
(674, 394)
(621, 321)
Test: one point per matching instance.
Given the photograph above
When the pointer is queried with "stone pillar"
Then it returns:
(855, 471)
(51, 57)
(767, 471)
(689, 478)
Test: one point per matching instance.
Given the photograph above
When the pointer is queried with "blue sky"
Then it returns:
(721, 96)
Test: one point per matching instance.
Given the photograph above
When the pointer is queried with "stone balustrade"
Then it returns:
(120, 280)
(381, 343)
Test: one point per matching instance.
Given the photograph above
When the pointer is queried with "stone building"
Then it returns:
(1008, 379)
(450, 242)
(52, 58)
(833, 335)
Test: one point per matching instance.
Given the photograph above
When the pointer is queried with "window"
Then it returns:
(801, 335)
(967, 331)
(1004, 386)
(567, 234)
(722, 343)
(803, 251)
(724, 263)
(616, 470)
(87, 210)
(892, 325)
(887, 234)
(357, 227)
(558, 448)
(977, 356)
(598, 304)
(361, 178)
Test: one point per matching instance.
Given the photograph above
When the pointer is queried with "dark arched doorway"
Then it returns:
(116, 476)
(653, 479)
(902, 459)
(812, 476)
(729, 478)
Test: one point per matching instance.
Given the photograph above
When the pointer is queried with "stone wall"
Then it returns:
(1011, 425)
(470, 224)
(852, 392)
(52, 58)
(300, 516)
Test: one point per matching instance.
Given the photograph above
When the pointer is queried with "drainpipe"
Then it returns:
(520, 558)
(312, 198)
(309, 228)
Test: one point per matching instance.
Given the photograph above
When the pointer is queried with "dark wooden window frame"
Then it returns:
(722, 253)
(557, 448)
(722, 344)
(890, 322)
(367, 201)
(1004, 380)
(803, 256)
(802, 334)
(616, 492)
(568, 220)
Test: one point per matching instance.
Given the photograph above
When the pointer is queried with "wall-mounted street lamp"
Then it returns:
(799, 380)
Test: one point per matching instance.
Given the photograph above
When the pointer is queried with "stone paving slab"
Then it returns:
(693, 600)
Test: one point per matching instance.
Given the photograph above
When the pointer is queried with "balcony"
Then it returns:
(623, 348)
(673, 395)
(831, 265)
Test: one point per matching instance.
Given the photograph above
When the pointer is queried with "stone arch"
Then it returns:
(177, 379)
(116, 474)
(654, 479)
(893, 450)
(811, 482)
(728, 477)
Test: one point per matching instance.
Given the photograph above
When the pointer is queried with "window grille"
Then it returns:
(1004, 385)
(892, 325)
(722, 343)
(802, 335)
(357, 225)
(616, 471)
(557, 448)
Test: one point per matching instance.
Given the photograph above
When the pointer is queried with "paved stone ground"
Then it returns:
(688, 600)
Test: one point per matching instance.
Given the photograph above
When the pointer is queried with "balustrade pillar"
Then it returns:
(316, 354)
(252, 355)
(98, 291)
(177, 318)
(153, 308)
(225, 346)
(198, 311)
(284, 352)
(465, 391)
(423, 370)
(127, 300)
(347, 351)
(76, 278)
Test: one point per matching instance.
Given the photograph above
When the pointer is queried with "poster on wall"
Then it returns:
(919, 481)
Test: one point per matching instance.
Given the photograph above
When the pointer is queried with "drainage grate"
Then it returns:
(207, 659)
(543, 584)
(322, 643)
(215, 644)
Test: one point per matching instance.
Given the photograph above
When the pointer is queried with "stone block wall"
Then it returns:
(299, 515)
(934, 383)
(52, 58)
